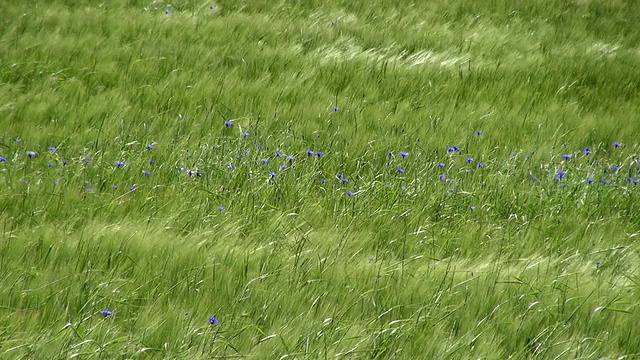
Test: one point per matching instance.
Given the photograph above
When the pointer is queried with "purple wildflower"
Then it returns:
(478, 132)
(146, 172)
(106, 312)
(566, 156)
(400, 170)
(319, 154)
(480, 165)
(31, 154)
(323, 180)
(310, 153)
(589, 180)
(616, 144)
(220, 208)
(150, 147)
(336, 108)
(349, 193)
(404, 154)
(213, 320)
(560, 174)
(441, 165)
(284, 167)
(586, 151)
(273, 174)
(469, 160)
(120, 163)
(615, 168)
(3, 159)
(228, 124)
(52, 148)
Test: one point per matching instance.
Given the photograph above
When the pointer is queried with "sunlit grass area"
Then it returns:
(306, 180)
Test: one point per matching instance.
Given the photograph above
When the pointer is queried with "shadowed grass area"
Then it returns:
(335, 179)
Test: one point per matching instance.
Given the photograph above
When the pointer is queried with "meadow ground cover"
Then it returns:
(305, 179)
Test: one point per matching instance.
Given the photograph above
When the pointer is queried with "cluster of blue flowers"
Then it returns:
(562, 173)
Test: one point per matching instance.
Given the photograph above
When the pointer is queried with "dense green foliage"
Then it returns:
(474, 196)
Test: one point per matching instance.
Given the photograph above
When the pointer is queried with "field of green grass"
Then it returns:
(319, 179)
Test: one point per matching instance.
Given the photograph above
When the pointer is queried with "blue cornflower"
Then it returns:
(604, 181)
(246, 151)
(478, 132)
(400, 170)
(450, 149)
(265, 161)
(336, 108)
(469, 160)
(323, 180)
(228, 124)
(344, 180)
(566, 156)
(404, 154)
(455, 148)
(65, 163)
(106, 312)
(114, 186)
(152, 162)
(220, 208)
(628, 179)
(586, 151)
(87, 182)
(616, 144)
(635, 181)
(441, 165)
(146, 172)
(480, 165)
(284, 167)
(589, 180)
(89, 190)
(471, 207)
(560, 174)
(290, 158)
(310, 153)
(212, 7)
(31, 154)
(273, 174)
(533, 178)
(245, 134)
(3, 159)
(150, 147)
(18, 140)
(278, 154)
(120, 163)
(349, 193)
(52, 148)
(50, 164)
(213, 320)
(442, 177)
(615, 168)
(132, 188)
(339, 175)
(167, 12)
(319, 154)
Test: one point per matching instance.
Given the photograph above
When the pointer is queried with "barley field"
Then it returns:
(319, 179)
